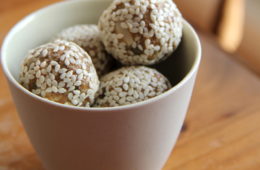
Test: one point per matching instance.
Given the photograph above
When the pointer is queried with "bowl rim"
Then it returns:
(28, 18)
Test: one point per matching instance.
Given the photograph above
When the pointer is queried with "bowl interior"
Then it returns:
(41, 26)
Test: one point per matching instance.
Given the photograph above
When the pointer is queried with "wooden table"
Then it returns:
(221, 128)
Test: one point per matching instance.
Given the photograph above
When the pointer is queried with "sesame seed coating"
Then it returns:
(87, 36)
(129, 85)
(141, 32)
(47, 71)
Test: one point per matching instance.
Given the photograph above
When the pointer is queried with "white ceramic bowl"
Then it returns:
(134, 137)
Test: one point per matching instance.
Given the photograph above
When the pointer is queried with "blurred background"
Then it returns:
(221, 131)
(235, 24)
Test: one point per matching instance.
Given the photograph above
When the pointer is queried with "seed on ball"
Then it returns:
(52, 71)
(87, 36)
(129, 85)
(141, 32)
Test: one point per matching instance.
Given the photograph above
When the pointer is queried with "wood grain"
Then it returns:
(221, 129)
(223, 121)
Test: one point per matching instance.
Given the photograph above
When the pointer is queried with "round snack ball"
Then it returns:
(62, 72)
(88, 38)
(129, 85)
(141, 32)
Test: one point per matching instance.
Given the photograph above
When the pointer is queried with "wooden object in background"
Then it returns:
(221, 129)
(249, 49)
(230, 29)
(239, 31)
(203, 14)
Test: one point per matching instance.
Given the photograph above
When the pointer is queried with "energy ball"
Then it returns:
(88, 38)
(129, 85)
(62, 72)
(141, 32)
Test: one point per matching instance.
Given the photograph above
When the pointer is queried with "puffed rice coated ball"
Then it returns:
(61, 72)
(129, 85)
(141, 32)
(87, 36)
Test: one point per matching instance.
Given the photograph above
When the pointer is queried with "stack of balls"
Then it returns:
(76, 68)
